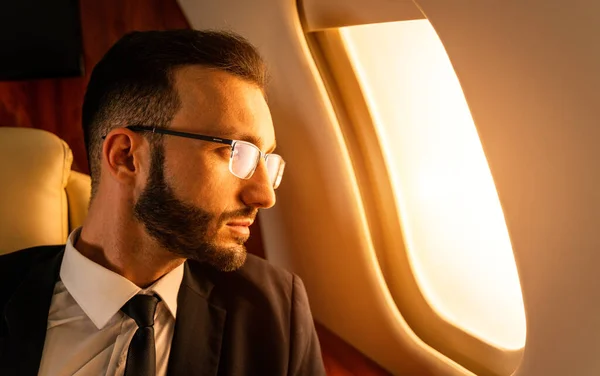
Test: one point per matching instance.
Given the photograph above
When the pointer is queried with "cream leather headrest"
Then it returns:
(35, 166)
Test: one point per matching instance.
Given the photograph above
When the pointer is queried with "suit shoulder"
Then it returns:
(15, 265)
(30, 255)
(257, 281)
(259, 271)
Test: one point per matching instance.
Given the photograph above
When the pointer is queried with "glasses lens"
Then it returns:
(244, 159)
(275, 166)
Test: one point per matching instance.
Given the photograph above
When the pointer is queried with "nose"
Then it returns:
(258, 191)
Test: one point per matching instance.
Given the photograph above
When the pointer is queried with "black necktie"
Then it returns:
(141, 356)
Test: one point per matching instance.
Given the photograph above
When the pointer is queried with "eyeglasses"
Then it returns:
(244, 155)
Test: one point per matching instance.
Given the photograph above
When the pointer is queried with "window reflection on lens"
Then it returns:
(244, 159)
(279, 175)
(273, 162)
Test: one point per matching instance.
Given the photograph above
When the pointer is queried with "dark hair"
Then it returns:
(133, 83)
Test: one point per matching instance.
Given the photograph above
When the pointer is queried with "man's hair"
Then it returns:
(133, 83)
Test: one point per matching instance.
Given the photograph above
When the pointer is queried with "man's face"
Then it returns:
(192, 204)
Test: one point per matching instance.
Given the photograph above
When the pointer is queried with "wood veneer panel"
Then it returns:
(341, 359)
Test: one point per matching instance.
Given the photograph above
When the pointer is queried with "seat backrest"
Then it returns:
(41, 199)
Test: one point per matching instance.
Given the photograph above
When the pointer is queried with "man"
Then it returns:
(157, 280)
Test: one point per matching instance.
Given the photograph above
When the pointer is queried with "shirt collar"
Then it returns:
(101, 292)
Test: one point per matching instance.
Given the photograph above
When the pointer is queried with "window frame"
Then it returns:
(370, 166)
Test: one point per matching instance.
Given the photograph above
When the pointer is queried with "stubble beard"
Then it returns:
(183, 228)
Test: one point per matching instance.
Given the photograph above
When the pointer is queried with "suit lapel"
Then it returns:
(196, 346)
(27, 315)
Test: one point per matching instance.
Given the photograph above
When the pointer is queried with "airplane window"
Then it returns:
(452, 220)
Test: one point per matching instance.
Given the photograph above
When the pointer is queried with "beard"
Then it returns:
(182, 228)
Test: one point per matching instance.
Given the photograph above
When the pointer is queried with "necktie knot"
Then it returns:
(141, 309)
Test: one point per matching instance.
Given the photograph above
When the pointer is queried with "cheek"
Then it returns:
(208, 186)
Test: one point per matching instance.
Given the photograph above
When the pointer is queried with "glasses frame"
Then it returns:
(225, 141)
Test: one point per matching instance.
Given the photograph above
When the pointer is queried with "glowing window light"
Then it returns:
(453, 224)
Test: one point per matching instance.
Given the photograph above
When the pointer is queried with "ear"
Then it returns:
(124, 156)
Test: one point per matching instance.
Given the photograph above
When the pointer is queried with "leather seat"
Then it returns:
(41, 198)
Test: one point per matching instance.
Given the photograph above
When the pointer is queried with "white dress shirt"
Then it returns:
(87, 333)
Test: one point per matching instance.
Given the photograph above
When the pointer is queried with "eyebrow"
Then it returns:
(251, 139)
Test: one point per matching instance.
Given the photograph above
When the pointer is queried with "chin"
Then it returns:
(224, 256)
(228, 259)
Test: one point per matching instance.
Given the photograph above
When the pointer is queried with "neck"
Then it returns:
(124, 247)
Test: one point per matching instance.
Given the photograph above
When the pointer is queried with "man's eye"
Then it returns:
(225, 151)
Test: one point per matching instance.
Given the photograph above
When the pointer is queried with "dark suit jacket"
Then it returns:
(254, 321)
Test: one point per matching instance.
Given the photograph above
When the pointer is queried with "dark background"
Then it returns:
(39, 39)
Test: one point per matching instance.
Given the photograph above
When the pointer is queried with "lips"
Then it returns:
(241, 227)
(241, 222)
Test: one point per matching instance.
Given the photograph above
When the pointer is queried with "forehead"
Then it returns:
(220, 104)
